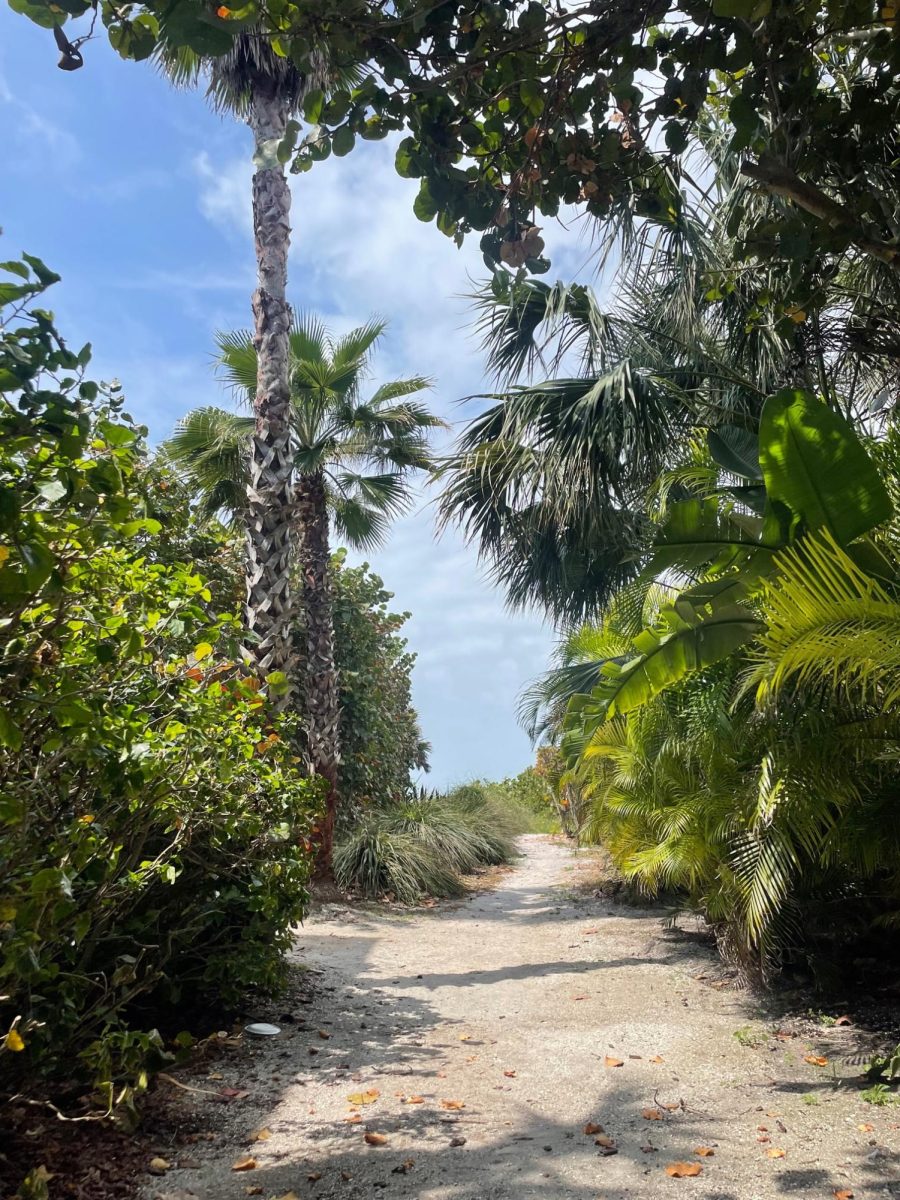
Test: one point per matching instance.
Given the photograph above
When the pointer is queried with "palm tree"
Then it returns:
(595, 405)
(353, 459)
(266, 90)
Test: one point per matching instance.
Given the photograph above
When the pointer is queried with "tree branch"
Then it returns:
(779, 180)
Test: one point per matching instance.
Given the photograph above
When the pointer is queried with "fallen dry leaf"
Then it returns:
(843, 1194)
(323, 1035)
(816, 1060)
(607, 1143)
(158, 1166)
(404, 1167)
(244, 1164)
(287, 1196)
(260, 1135)
(375, 1139)
(465, 1037)
(845, 1020)
(591, 1128)
(453, 1105)
(704, 1151)
(682, 1170)
(314, 1176)
(353, 1119)
(866, 1127)
(255, 1189)
(673, 1106)
(614, 1062)
(510, 1074)
(413, 1100)
(367, 1097)
(657, 1058)
(775, 1152)
(651, 1114)
(346, 1176)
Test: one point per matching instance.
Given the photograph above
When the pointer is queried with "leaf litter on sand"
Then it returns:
(683, 1170)
(375, 1139)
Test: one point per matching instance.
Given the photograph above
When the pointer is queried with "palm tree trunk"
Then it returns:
(320, 683)
(270, 515)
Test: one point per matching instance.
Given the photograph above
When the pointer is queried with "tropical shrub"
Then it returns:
(381, 743)
(153, 824)
(420, 846)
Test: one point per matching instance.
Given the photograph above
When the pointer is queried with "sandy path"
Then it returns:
(533, 980)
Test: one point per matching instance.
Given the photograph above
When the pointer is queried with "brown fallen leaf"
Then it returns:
(591, 1128)
(323, 1035)
(651, 1114)
(465, 1037)
(228, 1093)
(353, 1119)
(413, 1100)
(683, 1170)
(404, 1167)
(287, 1196)
(346, 1176)
(775, 1152)
(607, 1143)
(375, 1139)
(314, 1176)
(367, 1097)
(676, 1104)
(657, 1058)
(453, 1105)
(816, 1060)
(614, 1062)
(244, 1164)
(158, 1166)
(510, 1074)
(704, 1151)
(844, 1020)
(866, 1127)
(843, 1194)
(255, 1189)
(457, 1142)
(260, 1135)
(648, 1148)
(764, 1139)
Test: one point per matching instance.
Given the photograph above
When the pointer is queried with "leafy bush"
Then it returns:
(421, 846)
(381, 743)
(153, 825)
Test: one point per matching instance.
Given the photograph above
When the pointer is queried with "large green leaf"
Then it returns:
(735, 449)
(700, 531)
(813, 462)
(686, 638)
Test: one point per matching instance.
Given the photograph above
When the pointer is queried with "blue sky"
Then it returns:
(138, 195)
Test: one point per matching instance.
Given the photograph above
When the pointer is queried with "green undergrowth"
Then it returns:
(422, 846)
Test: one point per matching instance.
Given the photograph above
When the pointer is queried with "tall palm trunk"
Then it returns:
(320, 682)
(270, 515)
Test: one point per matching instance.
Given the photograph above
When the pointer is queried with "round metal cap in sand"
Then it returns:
(261, 1029)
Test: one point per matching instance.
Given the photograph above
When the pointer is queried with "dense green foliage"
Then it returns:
(513, 108)
(729, 707)
(419, 847)
(153, 823)
(381, 743)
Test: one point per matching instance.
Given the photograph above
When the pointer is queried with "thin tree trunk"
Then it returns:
(320, 682)
(270, 509)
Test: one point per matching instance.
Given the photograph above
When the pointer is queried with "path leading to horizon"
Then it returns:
(476, 1042)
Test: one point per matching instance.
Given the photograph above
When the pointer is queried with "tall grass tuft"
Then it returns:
(421, 846)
